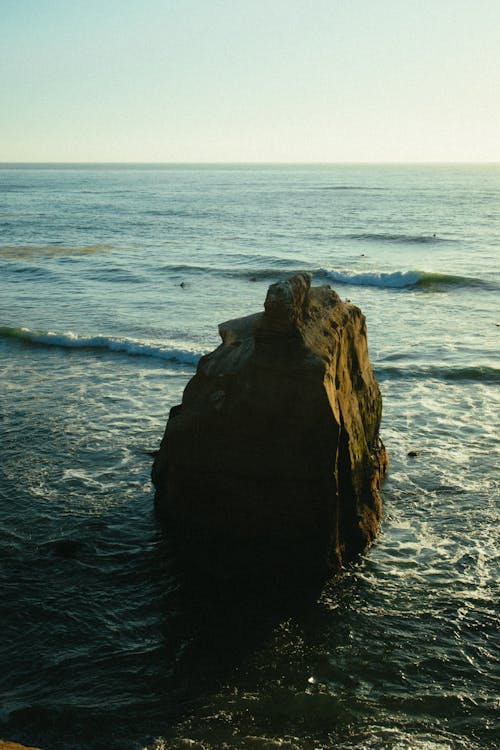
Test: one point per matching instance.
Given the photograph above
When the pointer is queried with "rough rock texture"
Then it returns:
(274, 454)
(14, 746)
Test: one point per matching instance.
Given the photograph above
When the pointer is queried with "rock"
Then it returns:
(14, 746)
(413, 454)
(274, 456)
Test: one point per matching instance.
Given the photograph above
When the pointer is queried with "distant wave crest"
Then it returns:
(130, 347)
(478, 373)
(424, 280)
(416, 239)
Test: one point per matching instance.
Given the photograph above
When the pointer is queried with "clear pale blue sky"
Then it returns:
(250, 80)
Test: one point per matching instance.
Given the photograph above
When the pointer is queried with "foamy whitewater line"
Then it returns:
(425, 280)
(382, 279)
(129, 347)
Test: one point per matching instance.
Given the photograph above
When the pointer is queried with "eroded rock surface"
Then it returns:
(274, 454)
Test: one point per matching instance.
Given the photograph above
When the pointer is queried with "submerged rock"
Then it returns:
(274, 456)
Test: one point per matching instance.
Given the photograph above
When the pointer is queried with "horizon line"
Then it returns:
(250, 163)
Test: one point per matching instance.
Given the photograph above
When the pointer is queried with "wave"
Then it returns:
(478, 373)
(425, 280)
(115, 274)
(190, 356)
(273, 266)
(187, 268)
(253, 274)
(417, 239)
(126, 346)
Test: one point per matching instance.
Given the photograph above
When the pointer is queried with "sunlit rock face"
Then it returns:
(274, 457)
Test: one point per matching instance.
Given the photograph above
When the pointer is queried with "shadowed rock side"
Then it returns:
(274, 456)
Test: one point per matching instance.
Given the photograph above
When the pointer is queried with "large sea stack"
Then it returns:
(273, 461)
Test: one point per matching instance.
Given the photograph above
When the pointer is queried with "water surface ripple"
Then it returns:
(112, 282)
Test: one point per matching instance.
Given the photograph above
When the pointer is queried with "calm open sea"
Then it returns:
(100, 645)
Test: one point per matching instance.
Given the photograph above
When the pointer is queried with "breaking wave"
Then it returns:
(126, 346)
(424, 280)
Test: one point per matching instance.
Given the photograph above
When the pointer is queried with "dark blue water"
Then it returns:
(104, 644)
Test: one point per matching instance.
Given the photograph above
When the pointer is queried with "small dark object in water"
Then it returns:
(253, 278)
(182, 284)
(413, 454)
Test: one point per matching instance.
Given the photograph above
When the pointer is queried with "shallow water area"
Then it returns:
(103, 642)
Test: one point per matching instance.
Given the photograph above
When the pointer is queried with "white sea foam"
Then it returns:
(426, 280)
(423, 280)
(395, 279)
(132, 347)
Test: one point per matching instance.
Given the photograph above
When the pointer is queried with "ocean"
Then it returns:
(113, 279)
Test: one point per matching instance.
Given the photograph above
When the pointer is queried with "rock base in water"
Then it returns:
(274, 458)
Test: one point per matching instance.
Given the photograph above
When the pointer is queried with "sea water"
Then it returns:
(112, 282)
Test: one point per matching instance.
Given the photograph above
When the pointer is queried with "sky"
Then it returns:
(250, 80)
